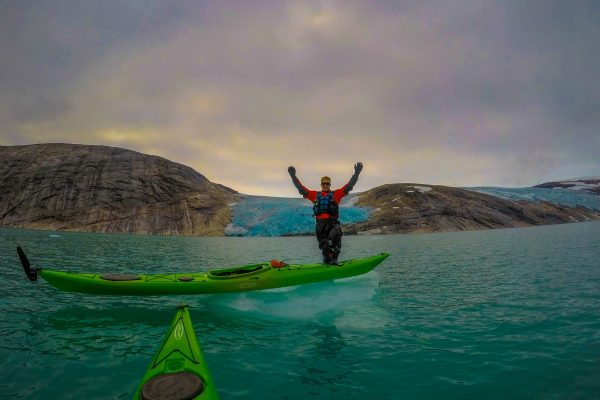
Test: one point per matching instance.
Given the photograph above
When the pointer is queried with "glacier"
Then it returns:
(565, 197)
(281, 216)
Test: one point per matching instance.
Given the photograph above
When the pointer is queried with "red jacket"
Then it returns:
(338, 194)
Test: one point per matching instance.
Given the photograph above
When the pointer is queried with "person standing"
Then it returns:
(326, 210)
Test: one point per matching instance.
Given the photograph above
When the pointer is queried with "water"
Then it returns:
(512, 313)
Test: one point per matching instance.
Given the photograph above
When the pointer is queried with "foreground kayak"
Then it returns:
(178, 370)
(237, 279)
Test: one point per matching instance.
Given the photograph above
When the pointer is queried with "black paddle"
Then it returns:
(30, 271)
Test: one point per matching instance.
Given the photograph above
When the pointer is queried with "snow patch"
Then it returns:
(419, 188)
(422, 189)
(581, 185)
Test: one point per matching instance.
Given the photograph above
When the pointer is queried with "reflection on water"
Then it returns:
(325, 365)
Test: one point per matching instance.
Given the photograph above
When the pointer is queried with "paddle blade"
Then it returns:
(29, 271)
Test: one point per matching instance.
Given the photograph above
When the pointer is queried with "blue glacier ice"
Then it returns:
(279, 216)
(565, 197)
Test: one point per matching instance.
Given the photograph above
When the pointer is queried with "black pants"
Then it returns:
(329, 235)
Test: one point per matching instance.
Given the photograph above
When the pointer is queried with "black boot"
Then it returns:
(330, 258)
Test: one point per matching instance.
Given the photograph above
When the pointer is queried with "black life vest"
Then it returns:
(325, 204)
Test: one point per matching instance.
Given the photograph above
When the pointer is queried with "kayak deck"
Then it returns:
(178, 369)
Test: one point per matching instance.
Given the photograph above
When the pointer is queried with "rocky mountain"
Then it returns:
(589, 185)
(106, 189)
(411, 208)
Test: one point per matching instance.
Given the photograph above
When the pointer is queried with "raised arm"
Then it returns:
(350, 185)
(301, 189)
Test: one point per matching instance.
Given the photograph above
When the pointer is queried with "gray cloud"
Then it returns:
(492, 92)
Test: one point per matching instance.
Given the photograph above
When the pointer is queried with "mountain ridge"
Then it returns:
(94, 188)
(412, 208)
(589, 185)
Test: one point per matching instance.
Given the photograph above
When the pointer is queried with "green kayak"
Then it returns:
(178, 370)
(237, 279)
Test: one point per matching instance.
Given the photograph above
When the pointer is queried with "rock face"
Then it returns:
(412, 208)
(106, 189)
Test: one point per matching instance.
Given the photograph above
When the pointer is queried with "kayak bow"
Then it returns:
(178, 370)
(237, 279)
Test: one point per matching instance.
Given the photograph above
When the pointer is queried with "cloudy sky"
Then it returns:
(453, 92)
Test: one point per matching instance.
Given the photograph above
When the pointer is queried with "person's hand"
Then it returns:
(292, 171)
(358, 167)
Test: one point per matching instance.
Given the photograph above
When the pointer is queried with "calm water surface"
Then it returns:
(511, 313)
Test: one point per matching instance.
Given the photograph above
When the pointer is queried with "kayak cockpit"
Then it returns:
(238, 272)
(120, 277)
